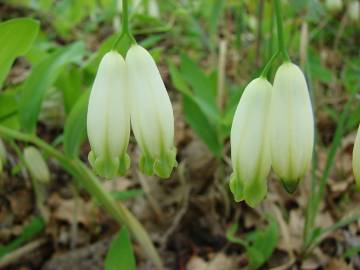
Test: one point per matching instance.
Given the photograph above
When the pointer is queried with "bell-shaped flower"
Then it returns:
(356, 158)
(152, 118)
(108, 117)
(334, 5)
(250, 144)
(354, 10)
(292, 125)
(36, 165)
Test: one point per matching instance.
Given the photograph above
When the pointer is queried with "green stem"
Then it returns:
(314, 204)
(125, 17)
(92, 184)
(267, 67)
(280, 30)
(125, 29)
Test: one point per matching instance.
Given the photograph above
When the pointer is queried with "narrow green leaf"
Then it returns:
(42, 77)
(9, 109)
(194, 115)
(120, 255)
(259, 244)
(16, 38)
(75, 126)
(127, 194)
(70, 82)
(35, 227)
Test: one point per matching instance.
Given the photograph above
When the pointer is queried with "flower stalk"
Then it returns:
(280, 30)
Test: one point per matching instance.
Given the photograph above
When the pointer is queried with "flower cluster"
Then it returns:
(130, 91)
(273, 127)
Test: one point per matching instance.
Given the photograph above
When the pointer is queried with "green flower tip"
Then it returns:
(255, 192)
(290, 185)
(252, 192)
(236, 188)
(161, 166)
(109, 167)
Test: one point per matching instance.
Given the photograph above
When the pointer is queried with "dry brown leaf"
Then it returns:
(219, 262)
(337, 264)
(65, 210)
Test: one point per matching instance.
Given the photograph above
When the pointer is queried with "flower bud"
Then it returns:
(292, 125)
(2, 155)
(334, 5)
(356, 158)
(36, 165)
(108, 117)
(354, 10)
(152, 118)
(250, 146)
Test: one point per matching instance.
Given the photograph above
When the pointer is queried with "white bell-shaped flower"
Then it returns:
(250, 144)
(292, 125)
(356, 158)
(354, 10)
(108, 117)
(152, 118)
(334, 5)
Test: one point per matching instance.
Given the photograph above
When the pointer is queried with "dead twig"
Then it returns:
(20, 252)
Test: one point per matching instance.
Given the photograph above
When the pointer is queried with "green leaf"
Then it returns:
(120, 255)
(127, 194)
(35, 227)
(75, 126)
(259, 244)
(70, 82)
(42, 77)
(16, 37)
(204, 88)
(194, 115)
(8, 109)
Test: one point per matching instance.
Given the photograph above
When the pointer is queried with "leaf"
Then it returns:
(120, 255)
(42, 77)
(35, 227)
(259, 244)
(16, 38)
(75, 126)
(9, 109)
(263, 242)
(194, 115)
(70, 82)
(204, 88)
(127, 194)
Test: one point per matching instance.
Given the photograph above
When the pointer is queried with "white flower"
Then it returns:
(36, 165)
(292, 125)
(108, 118)
(334, 5)
(356, 158)
(354, 10)
(152, 116)
(250, 144)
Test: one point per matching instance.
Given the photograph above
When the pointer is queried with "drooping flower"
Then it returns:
(36, 165)
(152, 116)
(108, 117)
(292, 125)
(250, 144)
(334, 5)
(354, 10)
(356, 158)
